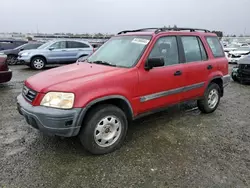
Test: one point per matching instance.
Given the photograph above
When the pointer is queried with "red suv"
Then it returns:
(135, 73)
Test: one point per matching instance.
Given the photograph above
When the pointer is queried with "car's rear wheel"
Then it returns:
(211, 99)
(105, 129)
(38, 63)
(11, 60)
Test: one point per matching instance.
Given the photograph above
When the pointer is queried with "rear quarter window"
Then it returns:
(215, 46)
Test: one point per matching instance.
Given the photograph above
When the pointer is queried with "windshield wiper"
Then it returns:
(103, 63)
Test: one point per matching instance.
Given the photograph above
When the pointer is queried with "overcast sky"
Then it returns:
(111, 16)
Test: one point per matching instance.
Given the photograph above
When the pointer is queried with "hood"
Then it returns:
(236, 52)
(32, 51)
(56, 78)
(245, 60)
(7, 51)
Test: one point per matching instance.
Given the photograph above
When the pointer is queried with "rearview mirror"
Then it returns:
(51, 48)
(154, 62)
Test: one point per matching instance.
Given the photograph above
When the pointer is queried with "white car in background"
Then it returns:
(234, 55)
(231, 47)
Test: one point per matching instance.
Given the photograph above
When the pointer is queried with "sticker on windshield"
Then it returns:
(140, 41)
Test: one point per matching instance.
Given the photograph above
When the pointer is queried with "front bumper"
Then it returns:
(24, 59)
(5, 76)
(241, 74)
(52, 121)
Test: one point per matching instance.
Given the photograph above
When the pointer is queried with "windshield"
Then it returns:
(233, 46)
(20, 47)
(45, 45)
(121, 51)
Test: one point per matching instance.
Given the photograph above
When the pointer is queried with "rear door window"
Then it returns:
(215, 46)
(59, 45)
(193, 49)
(73, 44)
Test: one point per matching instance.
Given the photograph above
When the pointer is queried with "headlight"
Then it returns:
(58, 100)
(25, 54)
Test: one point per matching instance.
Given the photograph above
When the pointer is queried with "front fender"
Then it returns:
(95, 101)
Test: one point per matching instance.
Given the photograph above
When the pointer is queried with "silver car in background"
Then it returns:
(55, 52)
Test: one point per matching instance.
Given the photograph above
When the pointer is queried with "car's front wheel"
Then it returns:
(211, 99)
(105, 129)
(11, 60)
(234, 77)
(38, 63)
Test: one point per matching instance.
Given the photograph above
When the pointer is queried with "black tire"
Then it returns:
(42, 63)
(88, 131)
(203, 104)
(234, 78)
(12, 60)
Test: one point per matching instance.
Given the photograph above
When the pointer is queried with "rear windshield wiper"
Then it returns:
(103, 63)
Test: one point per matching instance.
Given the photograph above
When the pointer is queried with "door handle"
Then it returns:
(209, 67)
(177, 73)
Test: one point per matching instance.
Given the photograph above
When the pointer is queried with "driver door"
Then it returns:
(161, 86)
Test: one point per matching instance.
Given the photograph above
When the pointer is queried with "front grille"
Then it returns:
(244, 66)
(29, 94)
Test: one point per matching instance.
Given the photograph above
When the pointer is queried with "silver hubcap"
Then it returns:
(11, 60)
(107, 131)
(213, 98)
(38, 63)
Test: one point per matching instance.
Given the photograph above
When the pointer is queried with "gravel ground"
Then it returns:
(176, 148)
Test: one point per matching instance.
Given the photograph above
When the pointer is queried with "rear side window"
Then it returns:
(73, 44)
(193, 49)
(215, 46)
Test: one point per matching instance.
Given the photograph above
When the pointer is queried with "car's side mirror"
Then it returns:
(21, 49)
(154, 62)
(51, 48)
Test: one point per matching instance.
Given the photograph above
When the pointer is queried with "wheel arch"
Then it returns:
(83, 55)
(219, 81)
(116, 100)
(11, 54)
(38, 55)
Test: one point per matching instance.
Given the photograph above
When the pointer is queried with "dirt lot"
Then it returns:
(176, 148)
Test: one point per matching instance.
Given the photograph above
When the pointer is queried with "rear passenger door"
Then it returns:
(77, 49)
(196, 68)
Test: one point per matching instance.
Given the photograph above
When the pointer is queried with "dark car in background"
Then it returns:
(241, 72)
(5, 72)
(12, 54)
(6, 44)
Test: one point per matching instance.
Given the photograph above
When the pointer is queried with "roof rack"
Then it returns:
(180, 29)
(158, 30)
(137, 30)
